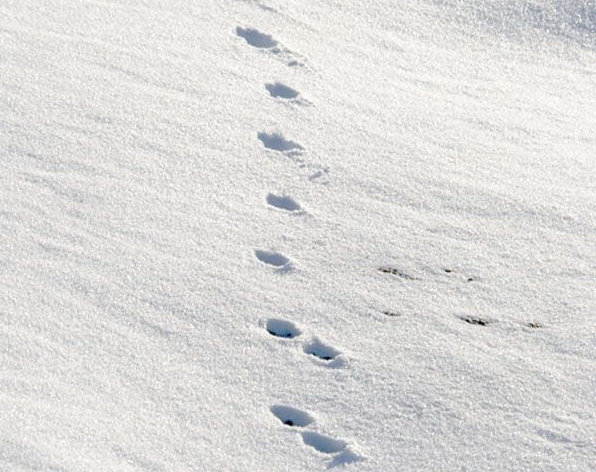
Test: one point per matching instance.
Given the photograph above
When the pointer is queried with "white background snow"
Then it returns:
(149, 179)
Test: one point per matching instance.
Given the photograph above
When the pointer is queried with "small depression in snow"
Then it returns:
(323, 443)
(282, 328)
(282, 202)
(397, 272)
(291, 416)
(279, 90)
(255, 38)
(475, 320)
(276, 142)
(272, 258)
(321, 350)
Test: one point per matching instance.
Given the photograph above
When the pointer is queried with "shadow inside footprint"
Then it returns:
(475, 321)
(391, 313)
(323, 443)
(279, 90)
(282, 328)
(397, 272)
(272, 258)
(322, 351)
(282, 202)
(277, 142)
(256, 39)
(291, 416)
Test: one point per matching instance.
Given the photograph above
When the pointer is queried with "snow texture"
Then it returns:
(266, 235)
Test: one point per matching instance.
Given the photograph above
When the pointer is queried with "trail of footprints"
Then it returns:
(455, 277)
(296, 418)
(312, 347)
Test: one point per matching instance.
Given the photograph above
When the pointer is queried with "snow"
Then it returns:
(371, 219)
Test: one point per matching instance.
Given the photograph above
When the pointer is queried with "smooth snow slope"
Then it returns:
(290, 236)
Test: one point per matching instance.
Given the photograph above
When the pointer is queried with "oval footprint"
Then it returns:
(256, 39)
(291, 416)
(283, 202)
(321, 350)
(273, 258)
(323, 443)
(282, 328)
(279, 90)
(276, 142)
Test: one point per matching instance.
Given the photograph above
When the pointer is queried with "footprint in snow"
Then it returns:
(257, 39)
(282, 328)
(391, 313)
(321, 350)
(315, 347)
(448, 270)
(322, 443)
(397, 272)
(279, 90)
(264, 41)
(275, 259)
(473, 320)
(276, 142)
(292, 416)
(328, 445)
(320, 175)
(283, 202)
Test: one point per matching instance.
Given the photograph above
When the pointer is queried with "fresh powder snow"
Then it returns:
(268, 235)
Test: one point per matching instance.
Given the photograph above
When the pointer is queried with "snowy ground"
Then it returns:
(373, 221)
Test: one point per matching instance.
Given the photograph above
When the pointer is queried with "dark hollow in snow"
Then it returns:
(474, 321)
(322, 443)
(279, 90)
(282, 328)
(396, 272)
(272, 258)
(392, 313)
(282, 202)
(277, 142)
(292, 416)
(322, 351)
(255, 38)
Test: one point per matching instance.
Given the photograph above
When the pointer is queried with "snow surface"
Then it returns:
(374, 220)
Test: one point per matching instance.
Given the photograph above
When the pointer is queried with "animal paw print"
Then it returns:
(323, 353)
(283, 202)
(268, 43)
(274, 259)
(338, 449)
